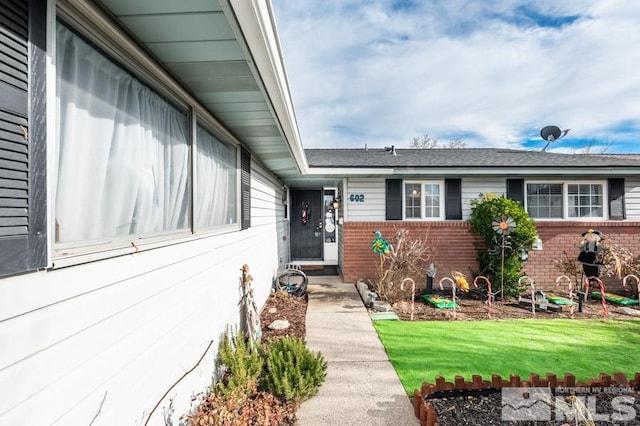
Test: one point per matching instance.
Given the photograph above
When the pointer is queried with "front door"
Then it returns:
(306, 224)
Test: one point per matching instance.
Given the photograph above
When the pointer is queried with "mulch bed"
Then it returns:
(486, 410)
(283, 307)
(472, 309)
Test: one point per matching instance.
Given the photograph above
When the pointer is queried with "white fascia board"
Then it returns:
(341, 171)
(529, 171)
(256, 26)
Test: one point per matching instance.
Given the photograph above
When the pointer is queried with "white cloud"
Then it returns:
(362, 72)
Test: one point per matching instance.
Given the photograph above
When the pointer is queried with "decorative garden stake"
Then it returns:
(413, 293)
(624, 284)
(489, 295)
(461, 280)
(453, 293)
(587, 282)
(533, 293)
(381, 246)
(503, 227)
(568, 280)
(249, 309)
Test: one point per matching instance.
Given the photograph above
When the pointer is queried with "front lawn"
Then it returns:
(420, 351)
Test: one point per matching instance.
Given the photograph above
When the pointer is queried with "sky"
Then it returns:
(488, 73)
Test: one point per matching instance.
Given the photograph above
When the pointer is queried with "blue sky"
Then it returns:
(491, 73)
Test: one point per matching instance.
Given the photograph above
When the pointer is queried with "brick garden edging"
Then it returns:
(428, 416)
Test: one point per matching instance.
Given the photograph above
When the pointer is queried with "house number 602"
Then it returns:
(358, 198)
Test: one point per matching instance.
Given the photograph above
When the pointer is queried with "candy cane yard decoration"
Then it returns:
(568, 280)
(453, 292)
(413, 293)
(489, 296)
(587, 280)
(533, 293)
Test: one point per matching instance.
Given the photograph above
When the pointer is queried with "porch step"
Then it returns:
(320, 270)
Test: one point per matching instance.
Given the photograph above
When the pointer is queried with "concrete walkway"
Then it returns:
(361, 387)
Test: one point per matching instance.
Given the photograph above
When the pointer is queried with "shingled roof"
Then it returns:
(465, 157)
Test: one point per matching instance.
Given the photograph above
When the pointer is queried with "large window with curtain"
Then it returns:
(216, 197)
(122, 151)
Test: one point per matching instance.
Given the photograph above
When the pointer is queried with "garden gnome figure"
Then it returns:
(589, 251)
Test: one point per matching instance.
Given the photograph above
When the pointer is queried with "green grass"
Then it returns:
(421, 351)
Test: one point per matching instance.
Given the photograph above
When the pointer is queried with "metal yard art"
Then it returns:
(502, 243)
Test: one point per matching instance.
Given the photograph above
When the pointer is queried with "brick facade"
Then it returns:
(453, 246)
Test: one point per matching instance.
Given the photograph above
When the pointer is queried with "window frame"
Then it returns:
(73, 253)
(422, 183)
(565, 198)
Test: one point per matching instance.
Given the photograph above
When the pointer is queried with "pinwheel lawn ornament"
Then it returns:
(380, 245)
(503, 226)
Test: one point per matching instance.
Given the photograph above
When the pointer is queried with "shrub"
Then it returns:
(236, 408)
(291, 370)
(483, 213)
(243, 365)
(404, 259)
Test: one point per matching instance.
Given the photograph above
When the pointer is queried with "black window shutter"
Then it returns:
(453, 199)
(245, 188)
(23, 220)
(515, 190)
(616, 199)
(393, 199)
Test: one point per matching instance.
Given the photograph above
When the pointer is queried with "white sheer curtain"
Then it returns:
(216, 176)
(123, 158)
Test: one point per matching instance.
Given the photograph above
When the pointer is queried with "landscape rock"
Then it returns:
(380, 306)
(273, 310)
(279, 325)
(365, 294)
(630, 311)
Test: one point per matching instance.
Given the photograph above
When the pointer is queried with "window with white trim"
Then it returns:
(544, 200)
(585, 200)
(560, 200)
(423, 200)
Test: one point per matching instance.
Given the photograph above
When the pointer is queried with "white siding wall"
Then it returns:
(472, 188)
(373, 206)
(373, 189)
(125, 329)
(632, 198)
(267, 208)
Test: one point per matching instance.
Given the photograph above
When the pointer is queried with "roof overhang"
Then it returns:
(329, 173)
(226, 55)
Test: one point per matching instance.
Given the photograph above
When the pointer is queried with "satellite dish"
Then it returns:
(552, 134)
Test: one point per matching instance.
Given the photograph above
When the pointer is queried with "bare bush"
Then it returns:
(405, 259)
(617, 262)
